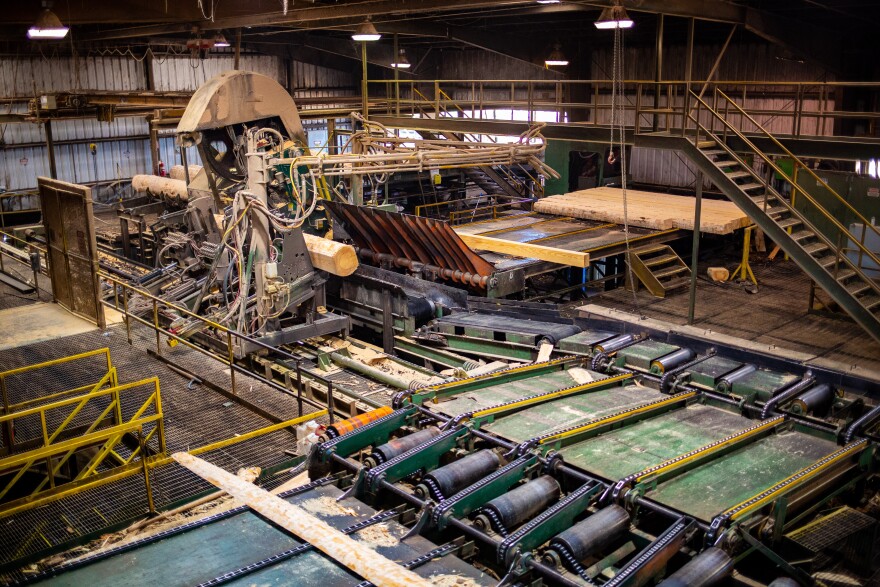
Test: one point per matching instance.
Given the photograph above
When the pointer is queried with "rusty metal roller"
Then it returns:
(398, 446)
(351, 424)
(594, 534)
(708, 568)
(448, 480)
(515, 507)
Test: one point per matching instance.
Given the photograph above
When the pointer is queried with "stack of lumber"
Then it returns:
(645, 210)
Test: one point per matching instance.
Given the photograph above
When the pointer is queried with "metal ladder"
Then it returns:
(823, 257)
(659, 268)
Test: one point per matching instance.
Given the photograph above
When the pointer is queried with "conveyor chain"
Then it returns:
(536, 398)
(766, 495)
(574, 564)
(644, 558)
(444, 507)
(671, 463)
(376, 473)
(325, 448)
(283, 556)
(669, 376)
(510, 542)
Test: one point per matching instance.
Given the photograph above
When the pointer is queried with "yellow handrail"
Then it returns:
(818, 179)
(784, 175)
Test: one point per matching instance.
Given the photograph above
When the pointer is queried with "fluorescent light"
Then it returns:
(48, 26)
(220, 40)
(549, 1)
(614, 17)
(366, 32)
(402, 62)
(556, 57)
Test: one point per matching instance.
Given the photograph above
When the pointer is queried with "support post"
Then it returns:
(50, 150)
(237, 59)
(695, 251)
(154, 145)
(658, 71)
(365, 107)
(387, 323)
(688, 75)
(396, 80)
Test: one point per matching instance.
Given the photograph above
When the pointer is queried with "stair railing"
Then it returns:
(752, 147)
(819, 181)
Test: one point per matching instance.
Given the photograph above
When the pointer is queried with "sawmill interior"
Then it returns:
(577, 293)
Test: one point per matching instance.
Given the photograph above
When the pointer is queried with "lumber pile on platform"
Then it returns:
(645, 209)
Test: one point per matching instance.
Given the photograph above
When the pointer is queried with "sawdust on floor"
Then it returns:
(452, 581)
(377, 535)
(327, 506)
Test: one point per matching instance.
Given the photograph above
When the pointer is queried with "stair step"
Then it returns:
(857, 287)
(676, 283)
(750, 186)
(671, 271)
(714, 152)
(788, 222)
(661, 260)
(737, 174)
(776, 210)
(870, 302)
(706, 144)
(827, 261)
(647, 250)
(802, 234)
(845, 274)
(814, 248)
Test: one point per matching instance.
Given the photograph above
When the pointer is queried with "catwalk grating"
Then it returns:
(194, 416)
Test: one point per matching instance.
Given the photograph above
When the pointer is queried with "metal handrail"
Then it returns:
(798, 162)
(769, 162)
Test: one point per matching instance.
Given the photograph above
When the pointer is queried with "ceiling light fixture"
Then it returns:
(402, 62)
(614, 17)
(366, 32)
(220, 40)
(556, 57)
(47, 26)
(549, 1)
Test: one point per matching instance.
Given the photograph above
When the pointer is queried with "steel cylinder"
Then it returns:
(726, 383)
(594, 534)
(708, 568)
(817, 399)
(515, 507)
(457, 475)
(784, 582)
(671, 361)
(398, 446)
(614, 344)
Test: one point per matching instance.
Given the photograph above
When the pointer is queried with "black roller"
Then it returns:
(784, 582)
(398, 446)
(614, 344)
(728, 380)
(815, 400)
(463, 472)
(671, 361)
(706, 569)
(594, 534)
(515, 507)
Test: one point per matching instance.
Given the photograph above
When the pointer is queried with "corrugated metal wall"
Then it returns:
(23, 155)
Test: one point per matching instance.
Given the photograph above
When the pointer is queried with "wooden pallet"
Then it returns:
(646, 210)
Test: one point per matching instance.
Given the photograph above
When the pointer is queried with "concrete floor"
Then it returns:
(776, 315)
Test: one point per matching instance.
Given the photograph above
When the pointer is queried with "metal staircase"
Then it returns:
(821, 255)
(659, 268)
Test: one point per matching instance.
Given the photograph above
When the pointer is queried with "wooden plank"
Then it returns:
(645, 209)
(526, 250)
(358, 557)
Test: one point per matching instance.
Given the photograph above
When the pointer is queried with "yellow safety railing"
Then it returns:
(104, 430)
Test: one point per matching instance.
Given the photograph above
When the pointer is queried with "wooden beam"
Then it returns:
(526, 250)
(358, 557)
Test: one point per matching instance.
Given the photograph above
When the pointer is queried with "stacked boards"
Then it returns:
(646, 210)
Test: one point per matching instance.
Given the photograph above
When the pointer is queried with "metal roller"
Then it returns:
(815, 400)
(448, 480)
(706, 569)
(728, 380)
(515, 507)
(671, 361)
(592, 535)
(391, 449)
(351, 424)
(614, 344)
(784, 582)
